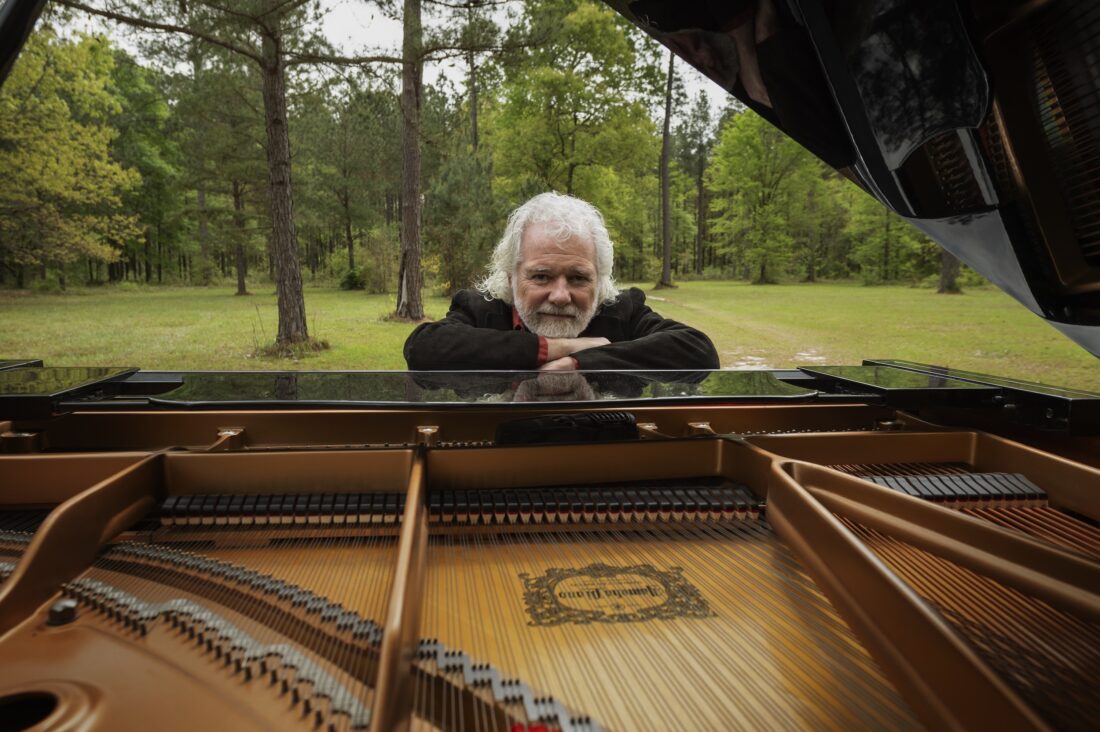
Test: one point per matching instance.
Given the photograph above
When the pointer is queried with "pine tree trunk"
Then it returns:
(409, 302)
(473, 100)
(666, 213)
(700, 221)
(347, 231)
(239, 222)
(200, 194)
(284, 240)
(949, 274)
(886, 247)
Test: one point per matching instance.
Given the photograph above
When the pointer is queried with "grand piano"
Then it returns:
(883, 545)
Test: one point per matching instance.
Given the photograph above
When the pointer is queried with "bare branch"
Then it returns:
(295, 59)
(477, 5)
(230, 11)
(164, 28)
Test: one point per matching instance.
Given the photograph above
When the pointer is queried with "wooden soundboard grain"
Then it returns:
(774, 654)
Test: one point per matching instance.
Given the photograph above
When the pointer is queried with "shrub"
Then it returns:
(353, 279)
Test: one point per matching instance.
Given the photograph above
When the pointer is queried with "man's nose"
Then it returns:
(559, 292)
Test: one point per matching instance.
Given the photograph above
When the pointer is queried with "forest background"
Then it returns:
(199, 144)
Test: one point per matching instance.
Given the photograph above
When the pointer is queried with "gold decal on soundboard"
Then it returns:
(600, 593)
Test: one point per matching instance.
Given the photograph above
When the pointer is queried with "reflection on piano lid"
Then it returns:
(976, 119)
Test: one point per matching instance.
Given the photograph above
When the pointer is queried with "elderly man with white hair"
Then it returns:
(550, 303)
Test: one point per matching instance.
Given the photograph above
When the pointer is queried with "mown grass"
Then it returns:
(774, 326)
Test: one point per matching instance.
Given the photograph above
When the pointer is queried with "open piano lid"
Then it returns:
(977, 120)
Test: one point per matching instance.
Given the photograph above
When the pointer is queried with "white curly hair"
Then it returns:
(563, 217)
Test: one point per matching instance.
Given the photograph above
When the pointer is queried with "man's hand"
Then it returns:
(565, 363)
(557, 348)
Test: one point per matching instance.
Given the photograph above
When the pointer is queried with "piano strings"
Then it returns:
(269, 576)
(620, 621)
(1051, 658)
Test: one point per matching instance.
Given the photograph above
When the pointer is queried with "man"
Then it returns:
(550, 303)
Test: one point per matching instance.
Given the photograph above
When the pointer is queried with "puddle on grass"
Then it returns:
(738, 361)
(810, 356)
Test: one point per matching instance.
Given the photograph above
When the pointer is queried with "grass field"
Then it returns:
(753, 327)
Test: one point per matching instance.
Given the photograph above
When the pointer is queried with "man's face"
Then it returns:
(554, 286)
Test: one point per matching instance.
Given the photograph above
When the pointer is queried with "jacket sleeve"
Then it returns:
(653, 344)
(457, 344)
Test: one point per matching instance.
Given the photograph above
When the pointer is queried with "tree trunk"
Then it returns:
(409, 303)
(148, 259)
(949, 274)
(473, 100)
(347, 230)
(238, 221)
(700, 221)
(204, 235)
(284, 239)
(666, 214)
(886, 247)
(204, 232)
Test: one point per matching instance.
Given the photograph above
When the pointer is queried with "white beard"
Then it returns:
(554, 327)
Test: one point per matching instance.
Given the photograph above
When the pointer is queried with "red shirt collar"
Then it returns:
(517, 322)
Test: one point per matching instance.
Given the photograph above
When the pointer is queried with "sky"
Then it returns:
(357, 27)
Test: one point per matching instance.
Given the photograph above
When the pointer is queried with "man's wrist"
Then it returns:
(544, 351)
(556, 348)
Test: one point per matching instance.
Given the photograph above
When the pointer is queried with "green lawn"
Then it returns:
(775, 326)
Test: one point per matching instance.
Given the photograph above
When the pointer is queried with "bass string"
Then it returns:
(1049, 524)
(1004, 621)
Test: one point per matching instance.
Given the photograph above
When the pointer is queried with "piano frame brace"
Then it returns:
(923, 656)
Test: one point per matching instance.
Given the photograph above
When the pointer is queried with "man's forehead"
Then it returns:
(540, 266)
(543, 242)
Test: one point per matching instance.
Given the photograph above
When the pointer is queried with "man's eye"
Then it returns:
(580, 279)
(540, 278)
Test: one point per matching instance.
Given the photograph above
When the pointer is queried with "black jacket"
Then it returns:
(477, 335)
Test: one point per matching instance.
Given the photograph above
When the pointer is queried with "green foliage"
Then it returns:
(462, 221)
(884, 247)
(353, 279)
(145, 143)
(59, 201)
(755, 176)
(576, 103)
(168, 179)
